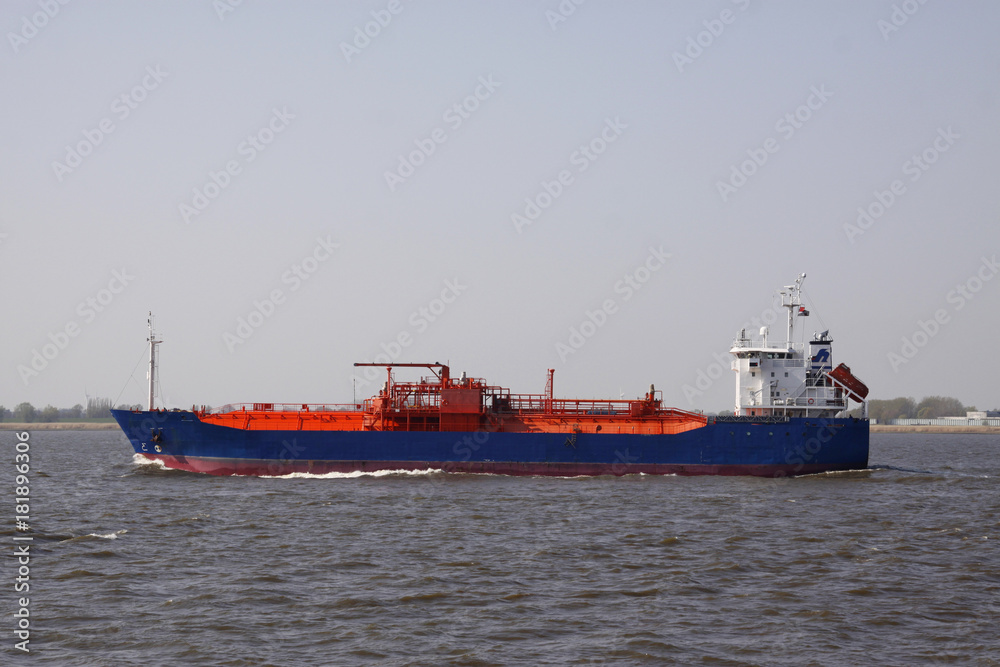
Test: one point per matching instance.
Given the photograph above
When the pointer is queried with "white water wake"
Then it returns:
(355, 474)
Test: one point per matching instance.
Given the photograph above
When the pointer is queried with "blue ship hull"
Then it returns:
(725, 446)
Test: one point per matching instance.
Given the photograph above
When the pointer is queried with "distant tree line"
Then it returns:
(97, 408)
(931, 407)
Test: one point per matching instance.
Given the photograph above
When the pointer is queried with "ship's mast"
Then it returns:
(152, 359)
(791, 298)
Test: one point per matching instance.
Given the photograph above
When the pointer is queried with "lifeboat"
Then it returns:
(856, 389)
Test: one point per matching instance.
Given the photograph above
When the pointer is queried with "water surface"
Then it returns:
(136, 565)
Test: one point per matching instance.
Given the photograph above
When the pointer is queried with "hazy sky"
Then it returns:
(610, 189)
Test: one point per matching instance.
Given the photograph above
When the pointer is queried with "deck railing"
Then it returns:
(284, 407)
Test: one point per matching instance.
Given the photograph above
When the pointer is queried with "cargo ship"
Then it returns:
(791, 417)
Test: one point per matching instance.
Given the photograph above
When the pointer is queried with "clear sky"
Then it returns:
(610, 189)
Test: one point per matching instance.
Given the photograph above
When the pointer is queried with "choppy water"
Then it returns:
(136, 565)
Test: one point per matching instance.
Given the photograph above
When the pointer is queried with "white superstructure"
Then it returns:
(789, 378)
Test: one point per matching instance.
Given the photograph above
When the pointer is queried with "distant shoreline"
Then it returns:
(887, 428)
(58, 426)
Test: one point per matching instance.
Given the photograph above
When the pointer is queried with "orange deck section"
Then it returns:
(442, 403)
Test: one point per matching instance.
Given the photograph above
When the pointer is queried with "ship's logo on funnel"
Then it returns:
(822, 356)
